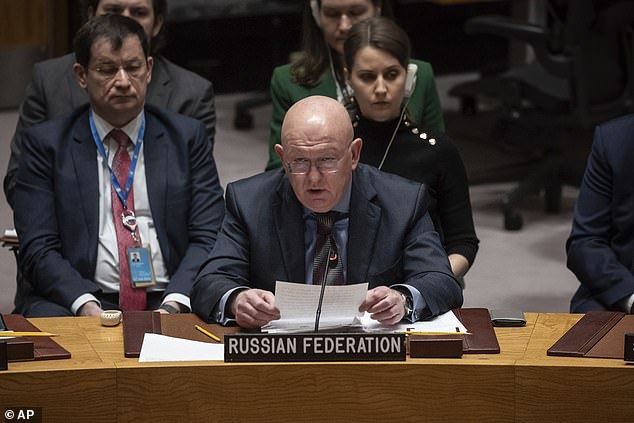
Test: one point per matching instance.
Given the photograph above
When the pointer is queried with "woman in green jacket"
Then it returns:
(319, 68)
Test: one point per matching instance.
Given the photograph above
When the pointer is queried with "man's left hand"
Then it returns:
(384, 304)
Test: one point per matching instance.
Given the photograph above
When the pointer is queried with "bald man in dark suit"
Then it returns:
(384, 235)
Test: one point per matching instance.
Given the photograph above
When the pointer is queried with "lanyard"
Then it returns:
(123, 194)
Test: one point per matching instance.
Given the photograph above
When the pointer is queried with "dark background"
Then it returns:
(237, 43)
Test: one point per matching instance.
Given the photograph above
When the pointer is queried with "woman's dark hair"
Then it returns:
(89, 7)
(114, 28)
(315, 58)
(380, 33)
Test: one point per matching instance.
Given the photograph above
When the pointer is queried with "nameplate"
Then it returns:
(263, 347)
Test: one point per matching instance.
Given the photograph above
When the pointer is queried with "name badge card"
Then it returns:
(141, 270)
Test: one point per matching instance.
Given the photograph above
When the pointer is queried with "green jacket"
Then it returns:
(424, 105)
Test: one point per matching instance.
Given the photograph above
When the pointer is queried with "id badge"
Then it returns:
(141, 271)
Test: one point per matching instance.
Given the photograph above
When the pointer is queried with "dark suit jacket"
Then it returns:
(56, 202)
(391, 240)
(601, 245)
(54, 92)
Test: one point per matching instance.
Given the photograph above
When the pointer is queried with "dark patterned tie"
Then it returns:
(130, 298)
(325, 244)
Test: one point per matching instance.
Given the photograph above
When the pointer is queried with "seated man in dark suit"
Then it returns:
(53, 91)
(278, 223)
(113, 180)
(601, 244)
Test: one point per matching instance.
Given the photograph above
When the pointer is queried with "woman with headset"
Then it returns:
(382, 80)
(318, 70)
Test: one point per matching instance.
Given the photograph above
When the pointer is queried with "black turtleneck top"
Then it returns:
(431, 159)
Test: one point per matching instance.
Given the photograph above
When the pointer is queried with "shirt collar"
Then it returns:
(131, 128)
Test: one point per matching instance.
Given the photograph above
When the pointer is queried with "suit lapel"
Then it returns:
(288, 220)
(159, 91)
(365, 217)
(156, 171)
(84, 154)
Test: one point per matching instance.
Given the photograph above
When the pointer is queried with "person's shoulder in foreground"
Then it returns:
(601, 241)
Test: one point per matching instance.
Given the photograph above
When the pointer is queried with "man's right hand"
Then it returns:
(253, 308)
(91, 308)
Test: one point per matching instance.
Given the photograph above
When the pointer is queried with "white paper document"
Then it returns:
(298, 302)
(447, 322)
(166, 348)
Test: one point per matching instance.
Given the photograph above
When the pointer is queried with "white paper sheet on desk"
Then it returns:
(166, 348)
(447, 322)
(297, 303)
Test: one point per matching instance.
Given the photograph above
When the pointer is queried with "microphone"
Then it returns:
(323, 283)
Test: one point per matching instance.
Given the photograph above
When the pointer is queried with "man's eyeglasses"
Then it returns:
(323, 165)
(110, 71)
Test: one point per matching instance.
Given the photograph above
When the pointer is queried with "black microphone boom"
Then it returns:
(323, 288)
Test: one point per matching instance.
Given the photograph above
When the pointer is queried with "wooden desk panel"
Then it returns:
(575, 394)
(418, 389)
(579, 389)
(412, 391)
(476, 386)
(521, 384)
(79, 389)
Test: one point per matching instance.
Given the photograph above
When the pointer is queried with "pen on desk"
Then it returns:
(209, 334)
(6, 334)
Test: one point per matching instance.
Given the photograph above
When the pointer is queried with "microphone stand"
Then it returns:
(323, 288)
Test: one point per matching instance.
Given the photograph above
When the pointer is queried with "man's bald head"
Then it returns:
(318, 151)
(318, 115)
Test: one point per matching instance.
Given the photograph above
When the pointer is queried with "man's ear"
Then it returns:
(280, 152)
(150, 66)
(80, 74)
(355, 147)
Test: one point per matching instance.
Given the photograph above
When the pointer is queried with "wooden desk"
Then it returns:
(289, 392)
(563, 389)
(79, 389)
(521, 384)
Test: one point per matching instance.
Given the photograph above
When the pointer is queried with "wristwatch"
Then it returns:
(170, 309)
(407, 303)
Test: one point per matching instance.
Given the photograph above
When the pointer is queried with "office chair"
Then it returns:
(583, 74)
(243, 119)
